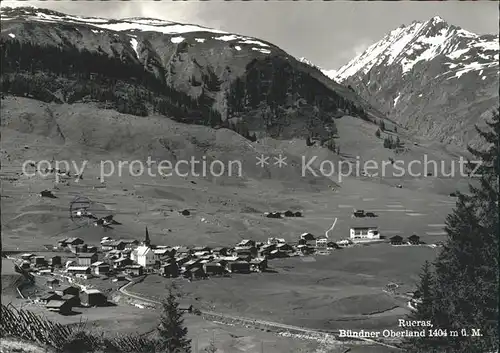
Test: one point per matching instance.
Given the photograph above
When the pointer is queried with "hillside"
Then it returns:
(193, 74)
(434, 78)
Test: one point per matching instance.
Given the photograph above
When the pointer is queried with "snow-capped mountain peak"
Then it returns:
(407, 46)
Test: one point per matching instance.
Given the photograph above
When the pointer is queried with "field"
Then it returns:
(342, 291)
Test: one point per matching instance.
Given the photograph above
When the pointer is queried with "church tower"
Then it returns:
(147, 241)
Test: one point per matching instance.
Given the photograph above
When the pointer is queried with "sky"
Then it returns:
(329, 34)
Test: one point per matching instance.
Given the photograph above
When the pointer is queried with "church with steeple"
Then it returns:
(144, 254)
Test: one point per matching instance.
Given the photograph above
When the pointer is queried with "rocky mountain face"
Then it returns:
(190, 73)
(434, 78)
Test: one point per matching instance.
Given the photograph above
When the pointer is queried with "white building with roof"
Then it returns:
(144, 256)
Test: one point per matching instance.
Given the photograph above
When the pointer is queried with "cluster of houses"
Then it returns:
(63, 299)
(412, 240)
(287, 213)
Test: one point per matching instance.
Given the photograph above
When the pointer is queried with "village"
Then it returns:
(73, 263)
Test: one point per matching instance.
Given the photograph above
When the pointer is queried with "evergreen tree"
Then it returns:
(423, 300)
(377, 133)
(171, 331)
(308, 141)
(465, 286)
(382, 125)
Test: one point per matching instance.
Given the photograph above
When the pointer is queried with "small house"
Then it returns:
(86, 259)
(220, 251)
(182, 250)
(185, 212)
(258, 265)
(277, 254)
(47, 297)
(396, 240)
(101, 268)
(27, 256)
(47, 193)
(332, 245)
(113, 245)
(321, 242)
(122, 262)
(275, 241)
(134, 270)
(195, 272)
(190, 264)
(414, 239)
(73, 300)
(298, 214)
(289, 214)
(72, 290)
(307, 237)
(163, 253)
(185, 307)
(62, 243)
(305, 249)
(238, 267)
(169, 270)
(55, 260)
(93, 297)
(39, 261)
(79, 270)
(76, 249)
(60, 306)
(246, 242)
(284, 247)
(213, 269)
(74, 241)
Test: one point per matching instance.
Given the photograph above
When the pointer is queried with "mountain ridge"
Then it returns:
(218, 75)
(433, 78)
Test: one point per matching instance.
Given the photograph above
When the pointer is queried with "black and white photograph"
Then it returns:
(249, 176)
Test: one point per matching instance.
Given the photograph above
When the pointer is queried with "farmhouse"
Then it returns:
(238, 267)
(307, 237)
(79, 270)
(276, 241)
(284, 247)
(59, 306)
(67, 290)
(55, 260)
(169, 270)
(396, 240)
(185, 307)
(39, 261)
(414, 239)
(100, 268)
(134, 270)
(305, 249)
(258, 264)
(195, 272)
(220, 251)
(113, 245)
(363, 231)
(213, 269)
(93, 297)
(74, 241)
(27, 256)
(86, 259)
(246, 252)
(122, 262)
(72, 300)
(246, 242)
(47, 297)
(321, 242)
